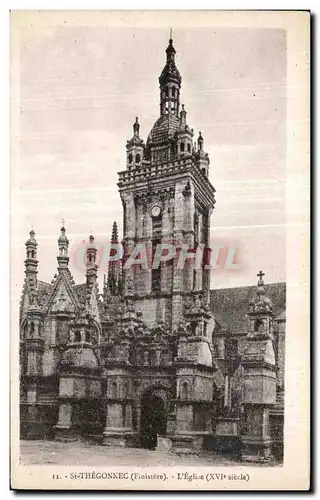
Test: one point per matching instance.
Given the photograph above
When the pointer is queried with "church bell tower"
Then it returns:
(167, 202)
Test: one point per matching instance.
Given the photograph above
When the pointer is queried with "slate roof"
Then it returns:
(230, 305)
(44, 291)
(164, 128)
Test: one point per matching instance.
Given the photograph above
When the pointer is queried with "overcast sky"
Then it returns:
(80, 90)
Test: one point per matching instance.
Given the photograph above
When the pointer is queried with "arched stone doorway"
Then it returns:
(153, 419)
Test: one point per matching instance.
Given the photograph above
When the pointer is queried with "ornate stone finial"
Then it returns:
(261, 304)
(62, 238)
(31, 242)
(200, 141)
(260, 276)
(63, 244)
(171, 37)
(183, 116)
(136, 127)
(170, 50)
(260, 287)
(114, 280)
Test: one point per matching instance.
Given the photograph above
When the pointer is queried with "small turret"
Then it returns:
(260, 312)
(63, 245)
(135, 147)
(202, 158)
(183, 117)
(200, 143)
(31, 263)
(91, 266)
(184, 135)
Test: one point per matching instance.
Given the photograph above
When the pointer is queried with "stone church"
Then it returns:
(157, 359)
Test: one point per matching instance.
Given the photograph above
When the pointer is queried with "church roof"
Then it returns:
(44, 291)
(164, 128)
(230, 305)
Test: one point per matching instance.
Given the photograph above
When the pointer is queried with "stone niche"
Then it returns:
(79, 387)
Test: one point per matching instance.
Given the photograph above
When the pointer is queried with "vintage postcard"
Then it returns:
(160, 250)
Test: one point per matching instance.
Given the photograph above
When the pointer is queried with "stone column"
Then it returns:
(259, 396)
(184, 438)
(206, 272)
(129, 236)
(189, 236)
(177, 286)
(184, 417)
(63, 429)
(118, 430)
(32, 428)
(166, 267)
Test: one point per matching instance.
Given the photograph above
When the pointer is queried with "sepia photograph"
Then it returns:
(159, 249)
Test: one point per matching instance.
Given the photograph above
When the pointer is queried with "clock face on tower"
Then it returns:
(155, 211)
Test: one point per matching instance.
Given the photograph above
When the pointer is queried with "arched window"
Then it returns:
(173, 91)
(31, 328)
(182, 147)
(152, 358)
(32, 254)
(194, 328)
(77, 336)
(138, 158)
(184, 390)
(189, 148)
(130, 158)
(87, 336)
(258, 325)
(203, 171)
(114, 389)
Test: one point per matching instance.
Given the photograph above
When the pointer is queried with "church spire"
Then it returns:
(170, 83)
(91, 266)
(114, 267)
